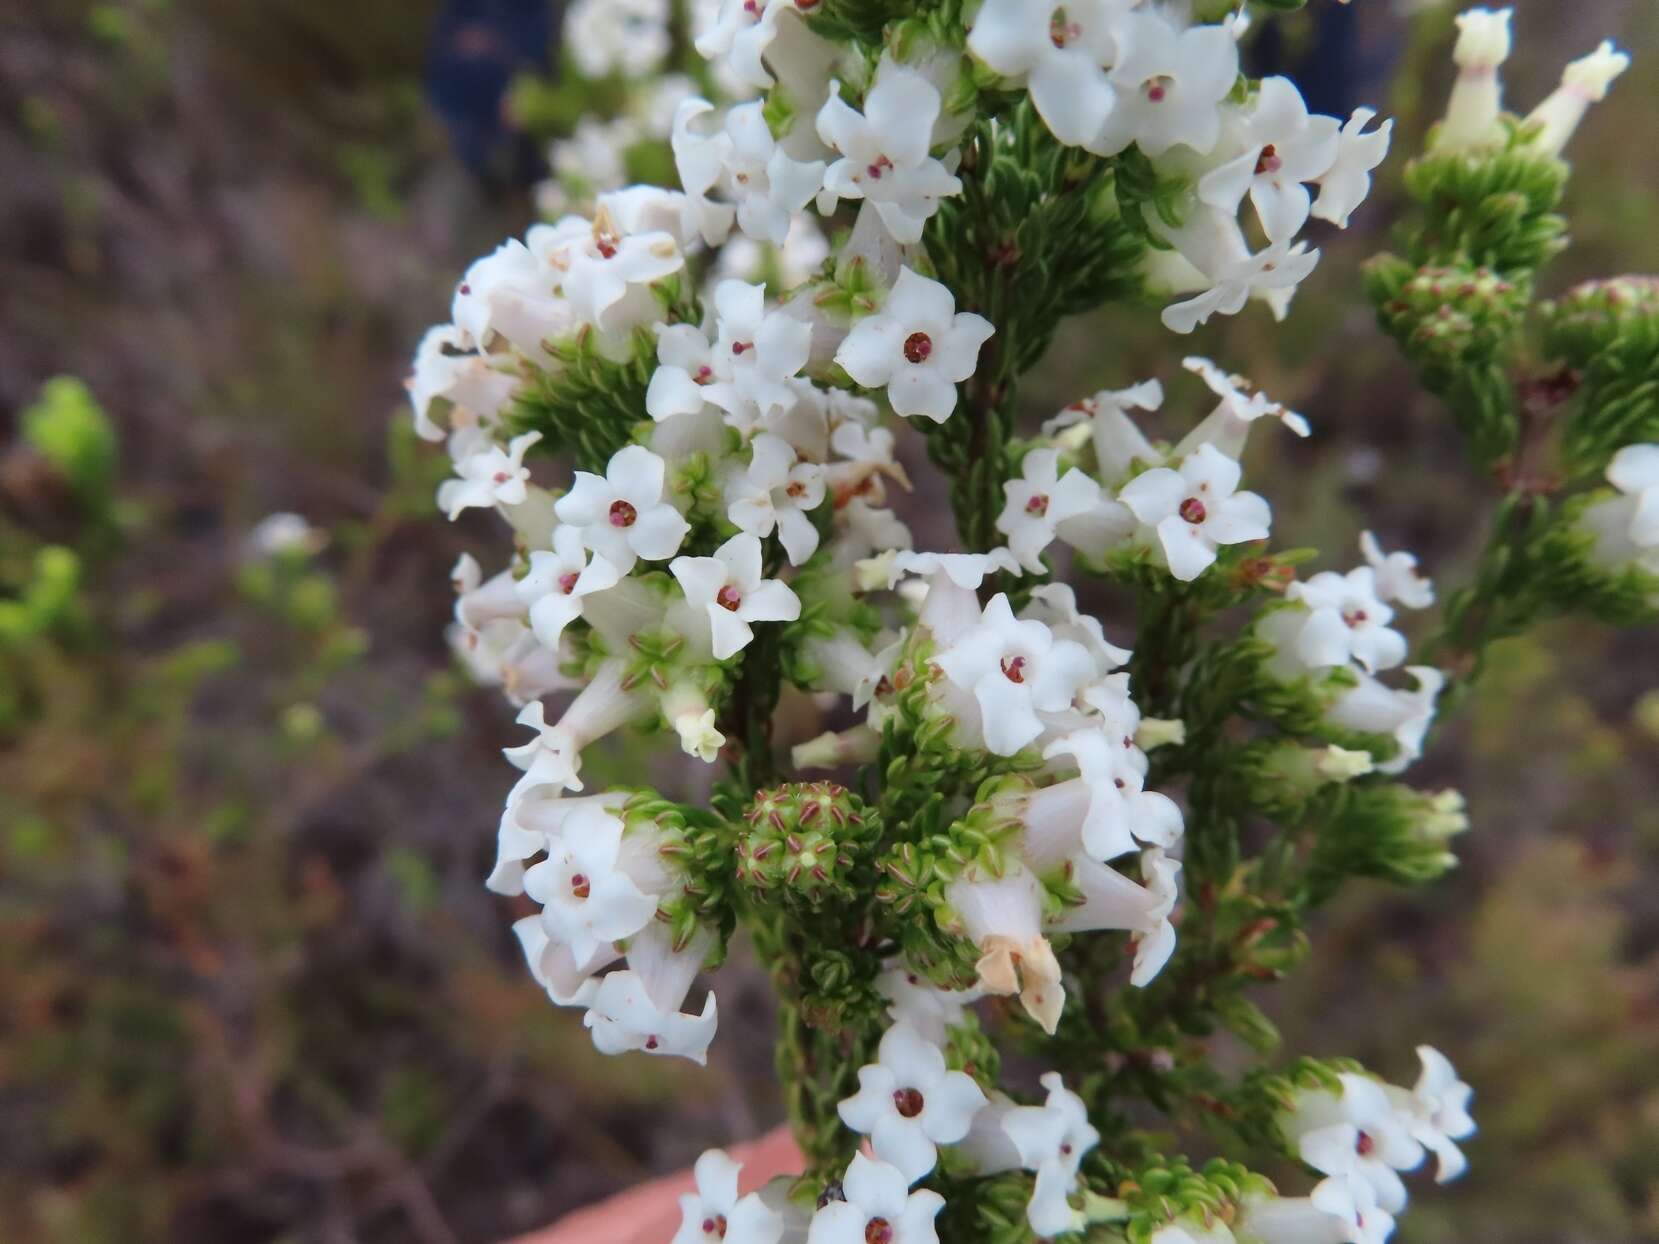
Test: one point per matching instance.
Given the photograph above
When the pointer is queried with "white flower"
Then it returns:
(622, 1017)
(1627, 526)
(286, 533)
(599, 264)
(1347, 182)
(775, 491)
(740, 33)
(1059, 50)
(587, 898)
(1003, 917)
(1196, 508)
(685, 367)
(554, 756)
(509, 269)
(1118, 443)
(755, 354)
(1040, 502)
(1227, 427)
(768, 186)
(489, 476)
(1115, 813)
(884, 151)
(1352, 1202)
(1109, 900)
(917, 347)
(1483, 42)
(558, 580)
(730, 592)
(1347, 621)
(867, 460)
(1212, 242)
(629, 37)
(1437, 1112)
(1052, 1140)
(1169, 85)
(552, 966)
(1015, 669)
(622, 515)
(1397, 576)
(1356, 1132)
(878, 1206)
(1373, 708)
(446, 371)
(929, 1010)
(1583, 82)
(1283, 147)
(1299, 1220)
(1055, 604)
(715, 1214)
(908, 1103)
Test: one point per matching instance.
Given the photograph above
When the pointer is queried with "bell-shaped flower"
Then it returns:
(917, 347)
(913, 1001)
(729, 590)
(557, 581)
(884, 151)
(1483, 44)
(1284, 146)
(1355, 1132)
(1118, 442)
(1039, 502)
(1626, 527)
(623, 1018)
(1110, 900)
(776, 492)
(877, 1205)
(755, 354)
(1396, 575)
(714, 1213)
(1003, 917)
(908, 1103)
(1583, 82)
(1059, 51)
(622, 515)
(1195, 508)
(1437, 1112)
(1014, 669)
(1052, 1140)
(1372, 707)
(588, 899)
(490, 476)
(1169, 85)
(1347, 621)
(1347, 183)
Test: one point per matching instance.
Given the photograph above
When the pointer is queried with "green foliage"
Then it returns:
(588, 402)
(68, 428)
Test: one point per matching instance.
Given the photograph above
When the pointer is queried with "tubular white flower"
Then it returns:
(1626, 527)
(884, 151)
(1118, 814)
(1039, 502)
(1052, 1140)
(911, 1000)
(555, 969)
(1059, 50)
(1483, 42)
(558, 580)
(1583, 82)
(598, 264)
(1436, 1110)
(768, 186)
(526, 828)
(908, 1103)
(1169, 84)
(588, 899)
(917, 347)
(1374, 708)
(1196, 508)
(1356, 1133)
(756, 353)
(1228, 426)
(878, 1206)
(1118, 443)
(1229, 273)
(715, 1214)
(1284, 146)
(685, 369)
(510, 268)
(622, 515)
(776, 492)
(446, 373)
(868, 461)
(553, 757)
(1112, 901)
(685, 707)
(1397, 578)
(1055, 605)
(622, 1018)
(729, 590)
(1347, 621)
(740, 34)
(1292, 1220)
(491, 476)
(1003, 917)
(1347, 183)
(1014, 669)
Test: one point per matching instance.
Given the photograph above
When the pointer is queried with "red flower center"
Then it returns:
(567, 582)
(878, 1231)
(1269, 161)
(1193, 511)
(1364, 1144)
(715, 1226)
(728, 597)
(580, 886)
(651, 1043)
(1157, 89)
(738, 347)
(1061, 31)
(1355, 617)
(1037, 506)
(622, 514)
(917, 347)
(875, 170)
(1013, 669)
(908, 1102)
(501, 477)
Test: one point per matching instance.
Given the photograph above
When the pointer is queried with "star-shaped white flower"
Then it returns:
(1039, 502)
(587, 899)
(1118, 441)
(884, 151)
(1195, 508)
(685, 370)
(912, 1000)
(557, 581)
(489, 476)
(1110, 900)
(622, 515)
(1372, 707)
(878, 1208)
(1015, 669)
(740, 34)
(728, 589)
(1627, 526)
(1052, 1140)
(716, 1214)
(767, 185)
(1345, 185)
(1397, 576)
(776, 491)
(755, 355)
(1284, 146)
(597, 263)
(510, 268)
(1169, 84)
(1060, 51)
(1347, 621)
(1437, 1112)
(908, 1103)
(622, 1017)
(917, 347)
(1360, 1134)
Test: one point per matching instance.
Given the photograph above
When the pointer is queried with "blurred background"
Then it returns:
(251, 987)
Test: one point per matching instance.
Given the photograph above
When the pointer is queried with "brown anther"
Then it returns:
(580, 886)
(917, 347)
(1192, 511)
(908, 1102)
(622, 514)
(1037, 506)
(728, 597)
(1013, 669)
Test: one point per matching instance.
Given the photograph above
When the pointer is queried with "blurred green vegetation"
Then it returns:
(250, 986)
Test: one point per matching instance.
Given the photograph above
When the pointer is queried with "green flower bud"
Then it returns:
(802, 841)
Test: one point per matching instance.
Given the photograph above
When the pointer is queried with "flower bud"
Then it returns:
(1483, 43)
(1583, 82)
(801, 841)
